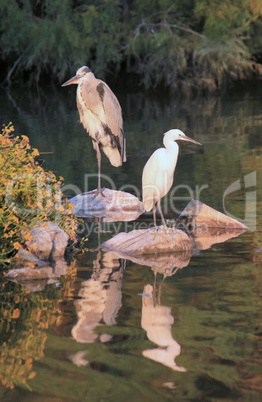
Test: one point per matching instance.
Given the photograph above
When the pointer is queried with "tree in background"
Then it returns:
(194, 45)
(56, 37)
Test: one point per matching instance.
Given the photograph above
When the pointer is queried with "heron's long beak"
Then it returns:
(186, 138)
(73, 80)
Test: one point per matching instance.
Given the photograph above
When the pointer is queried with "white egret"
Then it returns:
(101, 115)
(158, 172)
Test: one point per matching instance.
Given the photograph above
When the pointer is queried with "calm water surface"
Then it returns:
(113, 329)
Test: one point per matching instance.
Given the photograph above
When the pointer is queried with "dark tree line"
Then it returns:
(187, 45)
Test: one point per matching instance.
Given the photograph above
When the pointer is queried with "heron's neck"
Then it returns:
(89, 79)
(88, 82)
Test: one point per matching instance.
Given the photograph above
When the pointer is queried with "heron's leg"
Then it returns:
(98, 155)
(161, 213)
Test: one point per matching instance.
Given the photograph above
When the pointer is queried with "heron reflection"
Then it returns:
(99, 300)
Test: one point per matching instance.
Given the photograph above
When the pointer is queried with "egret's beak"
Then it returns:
(73, 80)
(186, 138)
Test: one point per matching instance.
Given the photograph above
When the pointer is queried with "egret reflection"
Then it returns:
(157, 321)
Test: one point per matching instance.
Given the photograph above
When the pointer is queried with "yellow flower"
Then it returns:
(17, 245)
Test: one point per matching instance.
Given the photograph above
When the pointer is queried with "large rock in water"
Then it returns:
(149, 241)
(207, 226)
(112, 206)
(198, 215)
(47, 240)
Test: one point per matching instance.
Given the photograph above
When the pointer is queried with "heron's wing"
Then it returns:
(113, 117)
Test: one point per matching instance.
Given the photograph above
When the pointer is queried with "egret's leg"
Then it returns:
(154, 215)
(161, 213)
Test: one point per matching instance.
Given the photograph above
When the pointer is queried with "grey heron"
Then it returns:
(101, 115)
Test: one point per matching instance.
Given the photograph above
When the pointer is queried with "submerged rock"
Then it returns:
(112, 206)
(27, 274)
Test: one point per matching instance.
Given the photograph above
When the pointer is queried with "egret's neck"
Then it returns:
(171, 146)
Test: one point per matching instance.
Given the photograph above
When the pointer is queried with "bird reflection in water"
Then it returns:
(157, 321)
(99, 299)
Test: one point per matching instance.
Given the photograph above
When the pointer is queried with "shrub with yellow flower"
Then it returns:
(28, 194)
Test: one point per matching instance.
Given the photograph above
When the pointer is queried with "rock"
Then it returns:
(201, 216)
(149, 241)
(201, 227)
(48, 239)
(111, 206)
(27, 274)
(23, 257)
(34, 285)
(169, 263)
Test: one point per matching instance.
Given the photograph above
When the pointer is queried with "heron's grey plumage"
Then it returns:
(101, 115)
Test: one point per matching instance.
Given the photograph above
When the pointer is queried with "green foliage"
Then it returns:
(223, 19)
(163, 59)
(177, 44)
(53, 37)
(28, 194)
(198, 53)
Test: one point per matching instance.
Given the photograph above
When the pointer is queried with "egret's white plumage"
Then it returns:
(158, 173)
(101, 115)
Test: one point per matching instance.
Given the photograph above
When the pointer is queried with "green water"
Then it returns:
(97, 333)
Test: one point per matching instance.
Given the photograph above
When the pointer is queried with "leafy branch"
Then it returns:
(167, 26)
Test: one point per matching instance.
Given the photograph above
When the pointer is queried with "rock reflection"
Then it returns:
(100, 299)
(36, 279)
(157, 321)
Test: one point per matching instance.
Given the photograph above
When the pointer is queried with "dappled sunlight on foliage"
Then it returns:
(202, 53)
(28, 194)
